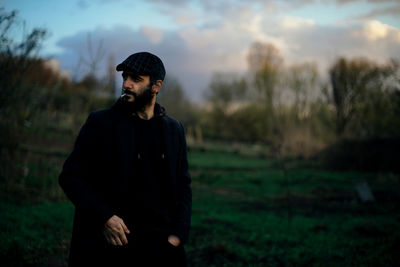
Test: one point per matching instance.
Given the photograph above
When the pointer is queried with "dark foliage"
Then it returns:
(377, 154)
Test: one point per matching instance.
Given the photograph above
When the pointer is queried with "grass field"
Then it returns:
(247, 211)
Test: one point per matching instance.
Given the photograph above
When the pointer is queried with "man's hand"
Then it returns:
(115, 230)
(174, 240)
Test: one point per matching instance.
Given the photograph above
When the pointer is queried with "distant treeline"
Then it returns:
(292, 108)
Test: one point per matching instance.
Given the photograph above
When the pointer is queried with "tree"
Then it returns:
(265, 63)
(110, 76)
(15, 57)
(358, 88)
(225, 95)
(17, 99)
(302, 79)
(224, 89)
(174, 99)
(92, 59)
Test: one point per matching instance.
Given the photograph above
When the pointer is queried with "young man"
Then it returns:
(128, 178)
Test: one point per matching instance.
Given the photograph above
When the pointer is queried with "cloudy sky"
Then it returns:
(196, 38)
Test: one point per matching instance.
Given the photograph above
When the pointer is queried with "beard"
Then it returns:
(140, 100)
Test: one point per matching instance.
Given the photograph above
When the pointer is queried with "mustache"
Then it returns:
(125, 94)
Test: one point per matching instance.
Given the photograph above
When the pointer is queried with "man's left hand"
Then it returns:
(174, 240)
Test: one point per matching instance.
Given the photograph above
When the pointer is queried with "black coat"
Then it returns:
(94, 175)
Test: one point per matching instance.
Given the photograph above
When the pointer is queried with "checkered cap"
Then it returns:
(144, 63)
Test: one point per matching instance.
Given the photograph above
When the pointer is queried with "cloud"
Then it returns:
(322, 44)
(296, 22)
(387, 11)
(82, 4)
(217, 40)
(387, 8)
(170, 2)
(220, 8)
(375, 30)
(153, 34)
(368, 1)
(121, 41)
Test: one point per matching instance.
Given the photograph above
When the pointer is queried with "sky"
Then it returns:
(197, 38)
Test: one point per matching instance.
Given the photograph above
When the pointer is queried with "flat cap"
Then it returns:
(144, 63)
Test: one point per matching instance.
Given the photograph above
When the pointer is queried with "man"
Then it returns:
(128, 178)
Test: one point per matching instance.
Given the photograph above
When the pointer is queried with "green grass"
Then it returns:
(253, 213)
(247, 211)
(33, 233)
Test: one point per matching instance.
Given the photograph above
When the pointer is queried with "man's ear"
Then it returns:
(157, 86)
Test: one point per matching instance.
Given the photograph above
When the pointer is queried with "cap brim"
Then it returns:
(120, 67)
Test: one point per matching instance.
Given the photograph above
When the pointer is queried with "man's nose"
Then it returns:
(128, 84)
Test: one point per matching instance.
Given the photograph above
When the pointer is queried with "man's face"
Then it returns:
(138, 90)
(134, 85)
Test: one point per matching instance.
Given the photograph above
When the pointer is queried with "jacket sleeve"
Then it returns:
(74, 178)
(184, 205)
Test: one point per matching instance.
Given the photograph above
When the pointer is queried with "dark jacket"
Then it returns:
(94, 175)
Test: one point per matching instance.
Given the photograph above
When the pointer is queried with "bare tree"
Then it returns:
(110, 76)
(266, 62)
(302, 79)
(94, 55)
(15, 56)
(17, 99)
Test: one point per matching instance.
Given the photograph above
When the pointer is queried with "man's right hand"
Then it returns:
(115, 230)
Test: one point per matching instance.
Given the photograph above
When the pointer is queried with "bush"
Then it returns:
(376, 154)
